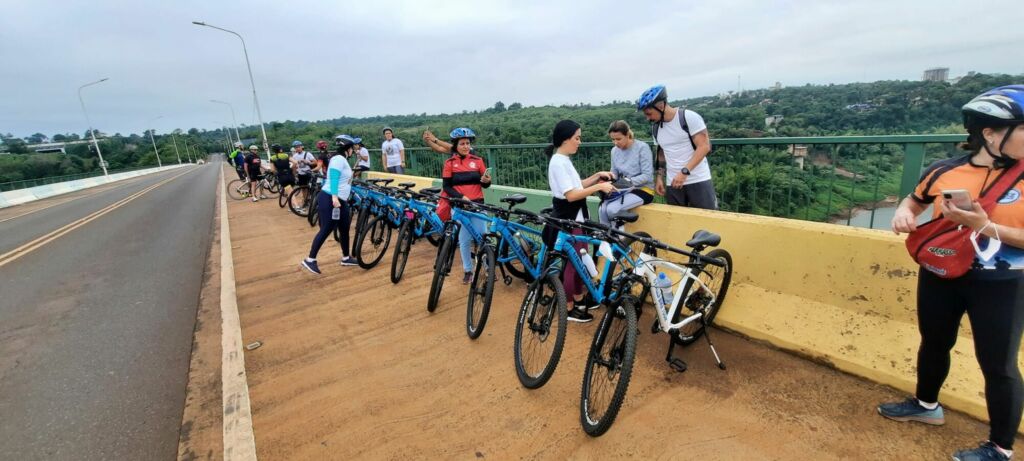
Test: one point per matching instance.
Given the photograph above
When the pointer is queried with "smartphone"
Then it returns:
(487, 172)
(960, 198)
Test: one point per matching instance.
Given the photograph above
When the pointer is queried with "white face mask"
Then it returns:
(994, 244)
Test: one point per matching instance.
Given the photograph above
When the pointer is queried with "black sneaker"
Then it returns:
(580, 315)
(588, 303)
(987, 451)
(467, 277)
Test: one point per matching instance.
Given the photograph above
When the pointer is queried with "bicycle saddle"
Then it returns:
(514, 199)
(406, 185)
(431, 190)
(703, 238)
(625, 216)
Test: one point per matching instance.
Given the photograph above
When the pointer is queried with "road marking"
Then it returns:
(127, 181)
(33, 245)
(239, 442)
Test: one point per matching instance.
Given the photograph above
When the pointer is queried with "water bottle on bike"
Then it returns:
(663, 286)
(588, 261)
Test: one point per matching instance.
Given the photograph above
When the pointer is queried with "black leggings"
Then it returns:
(996, 311)
(324, 207)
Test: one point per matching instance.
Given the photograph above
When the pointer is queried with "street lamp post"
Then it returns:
(175, 142)
(151, 139)
(187, 153)
(92, 133)
(233, 119)
(256, 101)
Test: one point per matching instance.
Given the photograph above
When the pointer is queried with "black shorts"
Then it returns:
(304, 179)
(255, 177)
(286, 179)
(696, 195)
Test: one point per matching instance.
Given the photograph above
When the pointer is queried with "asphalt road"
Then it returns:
(96, 326)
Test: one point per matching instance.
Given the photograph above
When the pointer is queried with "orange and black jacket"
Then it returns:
(461, 177)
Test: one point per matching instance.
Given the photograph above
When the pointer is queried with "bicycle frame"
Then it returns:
(505, 231)
(648, 269)
(612, 252)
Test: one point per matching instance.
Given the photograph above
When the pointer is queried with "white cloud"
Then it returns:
(316, 60)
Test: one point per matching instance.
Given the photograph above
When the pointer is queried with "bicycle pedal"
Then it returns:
(507, 279)
(655, 327)
(677, 364)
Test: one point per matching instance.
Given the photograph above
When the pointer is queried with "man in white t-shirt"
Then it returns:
(392, 153)
(305, 162)
(683, 147)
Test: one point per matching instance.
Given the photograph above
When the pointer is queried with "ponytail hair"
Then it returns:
(549, 150)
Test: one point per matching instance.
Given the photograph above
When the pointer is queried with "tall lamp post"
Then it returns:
(92, 133)
(233, 119)
(256, 101)
(151, 139)
(175, 142)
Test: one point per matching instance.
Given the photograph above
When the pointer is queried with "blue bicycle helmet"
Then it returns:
(998, 107)
(652, 95)
(296, 143)
(462, 132)
(357, 140)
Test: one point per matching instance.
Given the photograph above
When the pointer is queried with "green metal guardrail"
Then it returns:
(26, 183)
(828, 179)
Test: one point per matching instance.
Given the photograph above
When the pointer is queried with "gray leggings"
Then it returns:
(610, 207)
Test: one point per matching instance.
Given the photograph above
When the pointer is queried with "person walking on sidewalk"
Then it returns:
(332, 205)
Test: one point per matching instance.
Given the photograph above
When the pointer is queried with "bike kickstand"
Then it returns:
(707, 336)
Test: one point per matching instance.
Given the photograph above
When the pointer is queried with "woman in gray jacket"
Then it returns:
(632, 160)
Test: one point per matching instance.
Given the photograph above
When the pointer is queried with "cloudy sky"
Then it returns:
(317, 60)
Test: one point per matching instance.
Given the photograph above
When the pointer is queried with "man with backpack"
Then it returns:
(683, 146)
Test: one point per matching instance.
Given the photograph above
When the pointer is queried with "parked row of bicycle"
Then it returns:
(686, 295)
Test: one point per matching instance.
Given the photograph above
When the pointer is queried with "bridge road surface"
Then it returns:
(96, 326)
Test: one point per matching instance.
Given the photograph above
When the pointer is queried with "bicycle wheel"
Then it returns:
(635, 248)
(717, 280)
(313, 217)
(541, 315)
(282, 199)
(609, 367)
(443, 262)
(515, 266)
(434, 239)
(402, 247)
(238, 189)
(373, 242)
(298, 201)
(481, 289)
(272, 185)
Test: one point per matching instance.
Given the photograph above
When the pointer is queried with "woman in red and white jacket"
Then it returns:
(464, 176)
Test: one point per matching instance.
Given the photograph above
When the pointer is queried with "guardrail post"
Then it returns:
(913, 162)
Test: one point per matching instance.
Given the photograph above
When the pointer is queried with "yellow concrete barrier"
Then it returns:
(838, 295)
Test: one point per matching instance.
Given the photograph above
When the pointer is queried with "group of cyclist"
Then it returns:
(991, 293)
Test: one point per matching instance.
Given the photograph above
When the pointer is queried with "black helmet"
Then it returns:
(276, 148)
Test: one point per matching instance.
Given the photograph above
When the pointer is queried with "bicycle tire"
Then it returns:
(273, 186)
(299, 194)
(234, 189)
(515, 266)
(379, 234)
(476, 318)
(402, 247)
(549, 291)
(442, 263)
(609, 368)
(709, 275)
(282, 199)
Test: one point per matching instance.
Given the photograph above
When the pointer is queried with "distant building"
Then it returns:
(772, 120)
(799, 153)
(936, 74)
(778, 86)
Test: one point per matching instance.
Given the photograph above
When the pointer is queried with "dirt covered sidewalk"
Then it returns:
(353, 367)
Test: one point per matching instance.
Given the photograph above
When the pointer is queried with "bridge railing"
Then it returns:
(839, 179)
(26, 183)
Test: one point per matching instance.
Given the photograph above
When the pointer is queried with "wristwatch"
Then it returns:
(685, 171)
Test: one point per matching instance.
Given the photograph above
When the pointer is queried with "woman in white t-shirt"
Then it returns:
(569, 199)
(362, 158)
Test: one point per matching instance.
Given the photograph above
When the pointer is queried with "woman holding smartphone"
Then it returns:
(992, 291)
(569, 200)
(464, 176)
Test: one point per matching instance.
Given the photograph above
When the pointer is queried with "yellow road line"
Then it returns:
(33, 245)
(119, 183)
